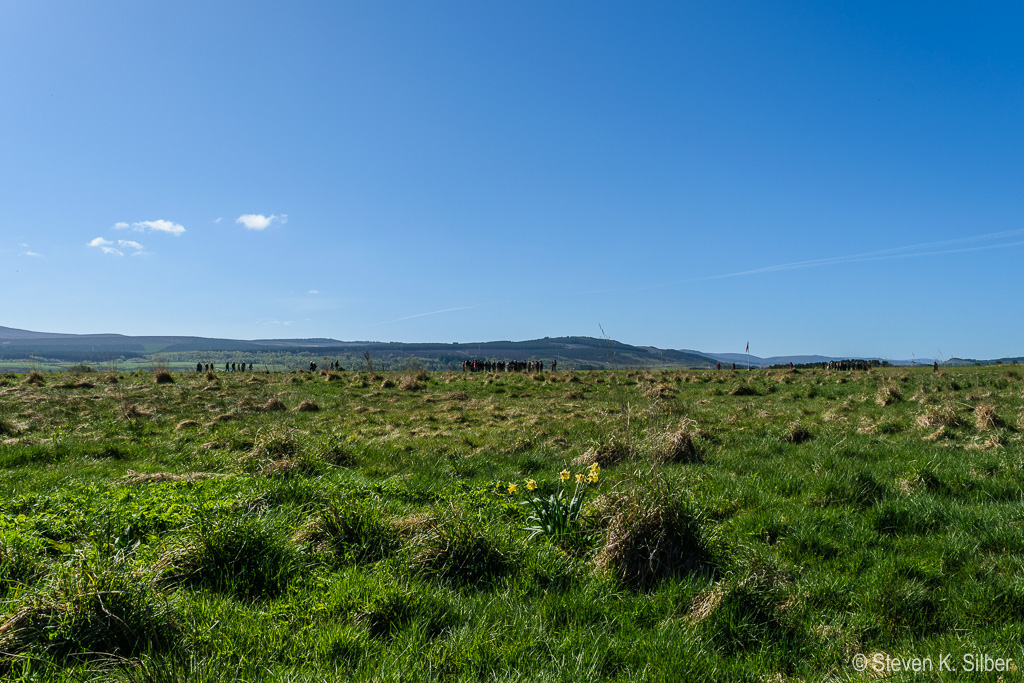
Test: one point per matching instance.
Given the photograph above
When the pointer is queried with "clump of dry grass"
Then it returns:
(985, 418)
(798, 434)
(307, 406)
(410, 383)
(941, 415)
(612, 452)
(35, 377)
(649, 536)
(273, 404)
(457, 396)
(888, 394)
(134, 479)
(678, 447)
(163, 377)
(387, 383)
(211, 376)
(131, 411)
(186, 424)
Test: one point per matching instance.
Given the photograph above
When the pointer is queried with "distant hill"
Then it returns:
(580, 352)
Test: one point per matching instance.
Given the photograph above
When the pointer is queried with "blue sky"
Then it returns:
(835, 178)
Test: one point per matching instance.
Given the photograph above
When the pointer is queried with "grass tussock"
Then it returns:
(307, 406)
(456, 550)
(90, 607)
(678, 447)
(245, 557)
(132, 411)
(943, 415)
(888, 394)
(163, 377)
(35, 378)
(613, 451)
(186, 424)
(986, 418)
(797, 434)
(649, 536)
(272, 405)
(410, 383)
(352, 532)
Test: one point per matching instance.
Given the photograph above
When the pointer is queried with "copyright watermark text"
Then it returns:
(880, 662)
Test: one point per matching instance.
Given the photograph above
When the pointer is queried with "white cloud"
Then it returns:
(33, 254)
(161, 226)
(314, 291)
(152, 226)
(218, 220)
(130, 244)
(257, 221)
(106, 246)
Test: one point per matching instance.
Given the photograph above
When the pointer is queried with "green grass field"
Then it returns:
(743, 526)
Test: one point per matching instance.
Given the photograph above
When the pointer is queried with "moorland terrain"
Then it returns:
(294, 526)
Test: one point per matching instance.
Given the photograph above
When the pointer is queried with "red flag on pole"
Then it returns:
(748, 347)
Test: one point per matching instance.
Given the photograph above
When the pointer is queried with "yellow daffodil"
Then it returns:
(592, 477)
(512, 488)
(530, 484)
(580, 478)
(595, 469)
(564, 475)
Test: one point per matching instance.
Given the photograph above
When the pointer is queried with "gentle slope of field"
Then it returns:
(743, 526)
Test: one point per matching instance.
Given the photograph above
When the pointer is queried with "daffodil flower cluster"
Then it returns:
(555, 516)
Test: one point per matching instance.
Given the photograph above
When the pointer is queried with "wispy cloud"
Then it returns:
(218, 220)
(160, 225)
(107, 246)
(33, 254)
(257, 221)
(314, 291)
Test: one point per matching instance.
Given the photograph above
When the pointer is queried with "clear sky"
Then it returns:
(811, 177)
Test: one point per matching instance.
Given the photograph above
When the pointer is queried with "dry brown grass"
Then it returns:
(612, 452)
(132, 411)
(941, 415)
(410, 383)
(888, 394)
(186, 424)
(307, 406)
(677, 447)
(163, 377)
(133, 479)
(273, 404)
(35, 377)
(985, 418)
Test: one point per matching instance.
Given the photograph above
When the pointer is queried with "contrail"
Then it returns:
(909, 251)
(880, 255)
(420, 315)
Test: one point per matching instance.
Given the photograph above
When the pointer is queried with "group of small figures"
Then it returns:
(228, 367)
(506, 365)
(333, 365)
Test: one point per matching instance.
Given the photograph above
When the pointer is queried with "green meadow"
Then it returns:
(727, 526)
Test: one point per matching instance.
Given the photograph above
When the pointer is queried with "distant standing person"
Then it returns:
(935, 366)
